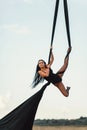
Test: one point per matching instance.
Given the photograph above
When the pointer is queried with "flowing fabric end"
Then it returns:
(22, 117)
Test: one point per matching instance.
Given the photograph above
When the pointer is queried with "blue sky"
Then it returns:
(25, 34)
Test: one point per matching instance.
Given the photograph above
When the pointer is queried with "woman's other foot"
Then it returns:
(67, 89)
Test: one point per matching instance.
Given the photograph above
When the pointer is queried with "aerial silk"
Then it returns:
(67, 21)
(22, 117)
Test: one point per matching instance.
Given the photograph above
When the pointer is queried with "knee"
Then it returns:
(66, 94)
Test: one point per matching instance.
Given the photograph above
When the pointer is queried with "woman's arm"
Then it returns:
(51, 58)
(43, 73)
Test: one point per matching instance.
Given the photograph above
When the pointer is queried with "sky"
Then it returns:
(25, 35)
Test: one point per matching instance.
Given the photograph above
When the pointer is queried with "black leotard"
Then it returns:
(53, 78)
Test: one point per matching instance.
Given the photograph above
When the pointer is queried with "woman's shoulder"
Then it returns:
(48, 66)
(38, 71)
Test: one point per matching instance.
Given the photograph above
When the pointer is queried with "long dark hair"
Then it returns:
(37, 78)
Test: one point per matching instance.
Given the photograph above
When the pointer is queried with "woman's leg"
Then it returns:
(65, 65)
(61, 87)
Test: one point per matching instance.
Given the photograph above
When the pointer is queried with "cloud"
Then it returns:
(4, 100)
(16, 28)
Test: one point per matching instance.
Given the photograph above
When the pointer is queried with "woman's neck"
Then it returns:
(43, 68)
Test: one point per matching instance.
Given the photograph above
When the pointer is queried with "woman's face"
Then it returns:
(41, 63)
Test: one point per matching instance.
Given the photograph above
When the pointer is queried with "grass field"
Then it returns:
(59, 128)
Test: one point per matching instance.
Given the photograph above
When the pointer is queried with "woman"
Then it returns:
(44, 71)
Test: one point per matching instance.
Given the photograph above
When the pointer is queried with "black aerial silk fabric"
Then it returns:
(22, 117)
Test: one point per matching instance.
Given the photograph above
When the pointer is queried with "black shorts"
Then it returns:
(53, 78)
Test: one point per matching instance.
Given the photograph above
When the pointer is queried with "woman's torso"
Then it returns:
(53, 78)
